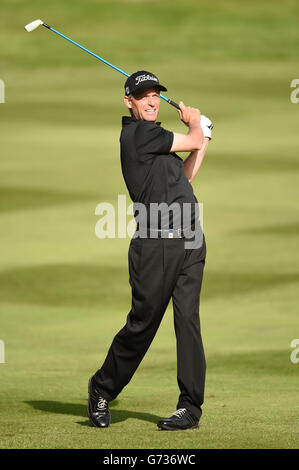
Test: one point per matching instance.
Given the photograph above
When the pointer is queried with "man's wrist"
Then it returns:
(194, 125)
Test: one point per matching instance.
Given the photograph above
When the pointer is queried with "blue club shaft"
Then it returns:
(103, 60)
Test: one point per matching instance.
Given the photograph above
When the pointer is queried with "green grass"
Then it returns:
(65, 293)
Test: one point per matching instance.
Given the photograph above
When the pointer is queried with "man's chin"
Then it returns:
(150, 117)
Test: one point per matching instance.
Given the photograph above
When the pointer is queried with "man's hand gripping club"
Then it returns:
(199, 127)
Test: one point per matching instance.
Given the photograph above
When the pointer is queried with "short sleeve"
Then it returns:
(151, 140)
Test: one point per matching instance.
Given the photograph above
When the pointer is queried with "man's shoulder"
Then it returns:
(147, 129)
(138, 130)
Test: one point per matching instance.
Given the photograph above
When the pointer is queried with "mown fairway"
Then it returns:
(65, 293)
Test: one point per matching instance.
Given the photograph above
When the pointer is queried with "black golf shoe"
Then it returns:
(97, 408)
(181, 419)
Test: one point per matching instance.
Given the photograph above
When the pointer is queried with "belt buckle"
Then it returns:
(170, 233)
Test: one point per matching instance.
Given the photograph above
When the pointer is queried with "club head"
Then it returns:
(33, 25)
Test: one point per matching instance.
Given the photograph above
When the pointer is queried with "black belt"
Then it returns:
(165, 233)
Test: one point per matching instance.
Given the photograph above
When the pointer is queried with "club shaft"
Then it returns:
(103, 60)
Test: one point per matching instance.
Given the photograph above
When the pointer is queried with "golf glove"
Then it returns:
(206, 126)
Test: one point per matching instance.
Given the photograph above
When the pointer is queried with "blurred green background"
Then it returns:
(65, 293)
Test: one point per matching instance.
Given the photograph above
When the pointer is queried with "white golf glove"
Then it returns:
(206, 126)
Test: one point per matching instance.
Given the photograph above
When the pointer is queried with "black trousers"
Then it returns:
(160, 269)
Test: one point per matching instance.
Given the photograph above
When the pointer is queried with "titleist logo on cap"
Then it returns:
(143, 78)
(140, 81)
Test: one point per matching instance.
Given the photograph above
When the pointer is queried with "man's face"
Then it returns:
(146, 105)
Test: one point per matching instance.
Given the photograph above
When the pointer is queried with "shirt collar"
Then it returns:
(128, 119)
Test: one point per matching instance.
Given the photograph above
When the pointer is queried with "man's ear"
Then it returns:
(127, 102)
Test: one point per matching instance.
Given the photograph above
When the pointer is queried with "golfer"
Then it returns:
(166, 257)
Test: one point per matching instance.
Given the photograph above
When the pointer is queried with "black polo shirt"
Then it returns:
(152, 174)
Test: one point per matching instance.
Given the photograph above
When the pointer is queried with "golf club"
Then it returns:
(36, 23)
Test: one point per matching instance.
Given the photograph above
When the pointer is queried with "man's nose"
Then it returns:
(151, 102)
